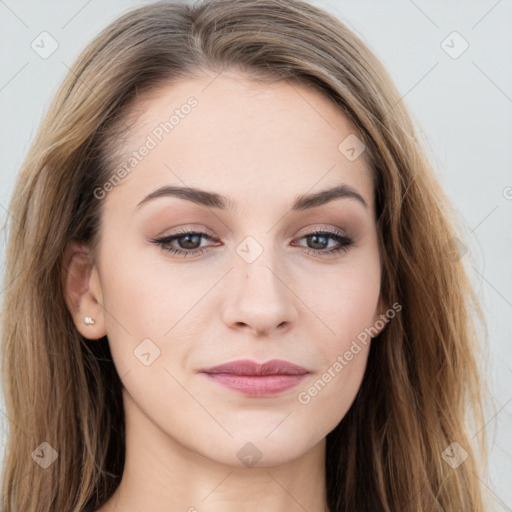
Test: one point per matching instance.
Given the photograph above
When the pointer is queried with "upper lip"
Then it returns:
(248, 367)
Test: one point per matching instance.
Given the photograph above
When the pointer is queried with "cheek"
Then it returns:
(349, 310)
(331, 392)
(151, 308)
(348, 307)
(143, 294)
(345, 300)
(130, 307)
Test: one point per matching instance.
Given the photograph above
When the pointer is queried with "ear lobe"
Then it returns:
(82, 290)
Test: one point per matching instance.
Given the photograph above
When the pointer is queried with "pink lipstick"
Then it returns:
(254, 379)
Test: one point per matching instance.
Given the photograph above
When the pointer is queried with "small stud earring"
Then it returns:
(88, 320)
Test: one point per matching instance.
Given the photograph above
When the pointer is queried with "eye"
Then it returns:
(320, 241)
(189, 242)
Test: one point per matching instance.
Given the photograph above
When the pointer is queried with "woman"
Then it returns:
(233, 280)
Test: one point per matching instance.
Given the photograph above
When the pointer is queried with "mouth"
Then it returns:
(255, 379)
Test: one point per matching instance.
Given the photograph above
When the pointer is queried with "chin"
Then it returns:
(257, 451)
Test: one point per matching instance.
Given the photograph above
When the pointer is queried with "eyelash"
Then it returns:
(345, 242)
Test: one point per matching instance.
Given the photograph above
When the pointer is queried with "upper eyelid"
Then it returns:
(329, 231)
(201, 229)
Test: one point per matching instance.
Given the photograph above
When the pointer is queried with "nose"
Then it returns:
(261, 299)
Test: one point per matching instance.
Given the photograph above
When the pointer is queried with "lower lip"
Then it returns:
(257, 385)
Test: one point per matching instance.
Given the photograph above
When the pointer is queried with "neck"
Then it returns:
(162, 475)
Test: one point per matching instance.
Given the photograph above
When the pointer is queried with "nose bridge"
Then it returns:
(260, 298)
(258, 263)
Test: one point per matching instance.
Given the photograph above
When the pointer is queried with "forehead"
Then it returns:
(231, 134)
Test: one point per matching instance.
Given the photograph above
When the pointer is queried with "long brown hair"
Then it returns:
(421, 385)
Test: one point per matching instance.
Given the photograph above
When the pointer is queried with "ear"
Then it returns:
(82, 290)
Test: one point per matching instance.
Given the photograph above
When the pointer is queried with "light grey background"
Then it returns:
(463, 105)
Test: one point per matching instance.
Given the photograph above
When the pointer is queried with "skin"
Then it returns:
(261, 146)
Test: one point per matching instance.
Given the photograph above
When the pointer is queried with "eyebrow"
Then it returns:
(215, 200)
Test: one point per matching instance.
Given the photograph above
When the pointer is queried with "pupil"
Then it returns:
(315, 238)
(187, 241)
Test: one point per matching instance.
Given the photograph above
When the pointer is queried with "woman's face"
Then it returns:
(259, 284)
